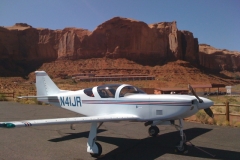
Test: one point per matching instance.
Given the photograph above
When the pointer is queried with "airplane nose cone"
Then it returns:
(205, 104)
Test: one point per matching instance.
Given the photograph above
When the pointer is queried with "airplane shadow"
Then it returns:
(154, 147)
(71, 136)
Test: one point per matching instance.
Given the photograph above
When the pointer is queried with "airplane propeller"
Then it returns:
(208, 111)
(193, 92)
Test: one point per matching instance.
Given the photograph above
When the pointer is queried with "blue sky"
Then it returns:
(214, 22)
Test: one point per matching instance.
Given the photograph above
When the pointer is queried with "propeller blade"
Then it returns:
(209, 112)
(194, 93)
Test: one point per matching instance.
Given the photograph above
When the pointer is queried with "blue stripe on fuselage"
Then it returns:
(119, 102)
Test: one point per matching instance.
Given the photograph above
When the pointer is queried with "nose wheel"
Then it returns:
(153, 131)
(183, 149)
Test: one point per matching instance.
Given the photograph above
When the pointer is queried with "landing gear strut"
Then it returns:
(94, 148)
(153, 131)
(181, 147)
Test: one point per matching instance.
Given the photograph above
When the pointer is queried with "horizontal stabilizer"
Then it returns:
(23, 97)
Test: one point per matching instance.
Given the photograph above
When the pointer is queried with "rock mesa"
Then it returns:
(23, 48)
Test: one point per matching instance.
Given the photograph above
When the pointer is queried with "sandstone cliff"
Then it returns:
(147, 44)
(217, 59)
(24, 48)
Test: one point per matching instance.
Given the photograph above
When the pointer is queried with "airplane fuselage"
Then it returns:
(145, 106)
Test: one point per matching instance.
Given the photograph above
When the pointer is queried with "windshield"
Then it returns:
(89, 92)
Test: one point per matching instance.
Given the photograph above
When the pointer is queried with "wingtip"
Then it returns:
(7, 125)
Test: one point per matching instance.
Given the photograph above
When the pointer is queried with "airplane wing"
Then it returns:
(71, 120)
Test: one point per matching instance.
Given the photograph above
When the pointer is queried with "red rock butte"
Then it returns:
(23, 47)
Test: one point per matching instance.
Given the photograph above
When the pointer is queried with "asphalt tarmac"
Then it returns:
(119, 140)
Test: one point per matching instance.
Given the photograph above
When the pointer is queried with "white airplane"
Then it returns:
(114, 102)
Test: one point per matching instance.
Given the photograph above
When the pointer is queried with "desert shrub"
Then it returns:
(236, 124)
(220, 121)
(30, 101)
(213, 121)
(225, 123)
(2, 97)
(202, 116)
(237, 77)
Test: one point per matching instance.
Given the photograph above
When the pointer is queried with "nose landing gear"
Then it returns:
(181, 147)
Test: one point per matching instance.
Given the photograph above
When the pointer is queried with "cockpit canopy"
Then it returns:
(129, 90)
(107, 91)
(110, 90)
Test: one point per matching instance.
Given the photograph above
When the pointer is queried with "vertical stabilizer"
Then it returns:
(45, 86)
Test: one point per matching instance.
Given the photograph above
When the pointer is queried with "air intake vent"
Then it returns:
(158, 112)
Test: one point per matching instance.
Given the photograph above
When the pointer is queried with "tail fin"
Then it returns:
(45, 86)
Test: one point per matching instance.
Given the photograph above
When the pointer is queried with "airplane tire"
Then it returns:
(153, 131)
(182, 150)
(95, 155)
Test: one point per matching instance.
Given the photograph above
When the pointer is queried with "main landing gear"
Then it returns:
(153, 131)
(93, 147)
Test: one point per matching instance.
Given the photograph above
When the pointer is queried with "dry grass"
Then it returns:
(205, 119)
(236, 124)
(222, 109)
(222, 122)
(224, 99)
(202, 117)
(29, 101)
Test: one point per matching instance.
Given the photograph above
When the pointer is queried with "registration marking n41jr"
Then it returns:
(70, 101)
